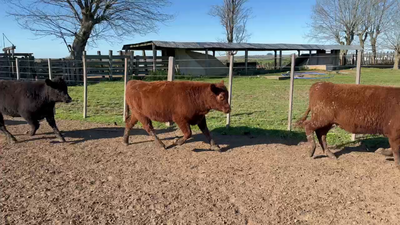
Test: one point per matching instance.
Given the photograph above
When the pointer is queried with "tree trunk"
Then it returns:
(373, 46)
(81, 39)
(396, 60)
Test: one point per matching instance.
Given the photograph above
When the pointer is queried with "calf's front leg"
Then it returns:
(52, 123)
(9, 136)
(204, 129)
(33, 123)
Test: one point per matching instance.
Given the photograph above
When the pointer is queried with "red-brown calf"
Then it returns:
(359, 109)
(183, 102)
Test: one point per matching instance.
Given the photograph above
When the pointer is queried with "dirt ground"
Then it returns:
(95, 179)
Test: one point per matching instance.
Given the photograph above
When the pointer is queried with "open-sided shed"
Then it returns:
(187, 54)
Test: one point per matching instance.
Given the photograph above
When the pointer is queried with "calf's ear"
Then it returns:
(222, 82)
(215, 89)
(49, 83)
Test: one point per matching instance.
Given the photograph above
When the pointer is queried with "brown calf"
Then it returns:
(359, 109)
(183, 102)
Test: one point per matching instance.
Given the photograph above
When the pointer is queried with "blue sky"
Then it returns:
(271, 22)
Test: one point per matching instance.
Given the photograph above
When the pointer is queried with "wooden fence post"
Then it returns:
(171, 68)
(291, 92)
(110, 59)
(84, 85)
(358, 80)
(49, 65)
(171, 76)
(228, 116)
(17, 68)
(125, 81)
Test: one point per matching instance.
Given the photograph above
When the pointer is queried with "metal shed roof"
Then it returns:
(218, 46)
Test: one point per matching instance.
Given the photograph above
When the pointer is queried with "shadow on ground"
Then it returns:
(366, 145)
(14, 122)
(234, 137)
(106, 133)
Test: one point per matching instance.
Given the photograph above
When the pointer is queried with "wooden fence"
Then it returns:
(98, 66)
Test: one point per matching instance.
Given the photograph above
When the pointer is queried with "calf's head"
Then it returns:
(219, 99)
(57, 90)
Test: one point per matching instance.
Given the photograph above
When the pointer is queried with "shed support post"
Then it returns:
(84, 85)
(291, 92)
(275, 60)
(246, 58)
(280, 59)
(358, 79)
(171, 76)
(228, 116)
(213, 53)
(154, 57)
(110, 59)
(131, 58)
(137, 65)
(207, 62)
(49, 65)
(17, 68)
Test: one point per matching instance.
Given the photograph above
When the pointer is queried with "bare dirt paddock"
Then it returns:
(95, 179)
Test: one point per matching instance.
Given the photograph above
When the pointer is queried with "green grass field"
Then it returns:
(259, 105)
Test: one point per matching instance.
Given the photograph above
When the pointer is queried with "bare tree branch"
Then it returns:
(80, 21)
(233, 16)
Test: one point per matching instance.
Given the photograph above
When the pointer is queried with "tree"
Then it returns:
(233, 16)
(81, 21)
(364, 23)
(391, 37)
(336, 20)
(380, 12)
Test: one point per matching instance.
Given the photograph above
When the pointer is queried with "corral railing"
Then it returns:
(98, 66)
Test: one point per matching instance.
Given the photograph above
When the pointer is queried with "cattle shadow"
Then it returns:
(368, 145)
(14, 122)
(241, 136)
(106, 133)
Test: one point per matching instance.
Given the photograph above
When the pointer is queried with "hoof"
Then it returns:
(161, 145)
(12, 140)
(215, 148)
(384, 151)
(331, 155)
(126, 141)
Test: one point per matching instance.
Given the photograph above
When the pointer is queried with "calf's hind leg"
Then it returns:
(321, 135)
(129, 123)
(9, 136)
(395, 145)
(310, 137)
(187, 132)
(148, 126)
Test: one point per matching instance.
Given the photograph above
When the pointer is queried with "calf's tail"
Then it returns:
(127, 112)
(299, 123)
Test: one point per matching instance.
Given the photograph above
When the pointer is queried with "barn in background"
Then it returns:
(198, 58)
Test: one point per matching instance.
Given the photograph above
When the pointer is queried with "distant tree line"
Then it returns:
(372, 22)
